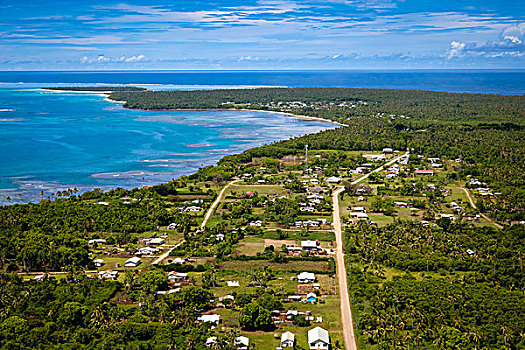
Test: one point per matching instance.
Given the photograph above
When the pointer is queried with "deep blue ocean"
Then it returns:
(57, 140)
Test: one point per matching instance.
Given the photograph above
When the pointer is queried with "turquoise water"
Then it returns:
(56, 140)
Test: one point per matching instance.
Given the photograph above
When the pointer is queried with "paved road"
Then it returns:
(474, 206)
(346, 311)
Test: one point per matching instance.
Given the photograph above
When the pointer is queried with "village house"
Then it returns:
(213, 319)
(192, 208)
(132, 262)
(318, 339)
(172, 226)
(177, 276)
(306, 277)
(424, 172)
(242, 343)
(108, 275)
(359, 215)
(287, 340)
(156, 241)
(97, 241)
(98, 262)
(333, 180)
(311, 298)
(309, 245)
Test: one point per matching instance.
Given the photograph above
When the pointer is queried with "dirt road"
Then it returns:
(346, 312)
(474, 206)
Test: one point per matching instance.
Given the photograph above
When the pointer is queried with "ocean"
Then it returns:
(53, 141)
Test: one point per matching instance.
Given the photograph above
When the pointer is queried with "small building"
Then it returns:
(192, 208)
(108, 275)
(210, 341)
(232, 283)
(213, 318)
(401, 204)
(424, 172)
(177, 276)
(156, 241)
(306, 277)
(309, 245)
(257, 223)
(333, 180)
(242, 343)
(388, 150)
(98, 262)
(132, 262)
(359, 209)
(360, 216)
(287, 340)
(311, 298)
(318, 339)
(97, 241)
(172, 226)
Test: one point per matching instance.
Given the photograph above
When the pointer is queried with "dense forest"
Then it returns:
(341, 103)
(448, 298)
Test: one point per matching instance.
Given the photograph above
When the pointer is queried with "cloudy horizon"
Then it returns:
(264, 34)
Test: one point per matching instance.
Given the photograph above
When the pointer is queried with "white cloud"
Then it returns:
(135, 58)
(513, 39)
(455, 50)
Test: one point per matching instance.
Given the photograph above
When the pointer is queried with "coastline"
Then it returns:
(107, 94)
(297, 116)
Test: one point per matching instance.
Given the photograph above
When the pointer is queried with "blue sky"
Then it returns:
(266, 34)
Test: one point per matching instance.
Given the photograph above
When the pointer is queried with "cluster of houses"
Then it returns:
(318, 339)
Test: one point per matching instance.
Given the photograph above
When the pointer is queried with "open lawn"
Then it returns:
(290, 266)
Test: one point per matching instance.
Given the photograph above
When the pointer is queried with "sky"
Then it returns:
(265, 34)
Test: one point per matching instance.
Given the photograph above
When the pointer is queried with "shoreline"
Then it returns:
(297, 116)
(108, 93)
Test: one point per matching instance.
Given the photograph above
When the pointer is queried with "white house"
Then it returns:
(172, 226)
(215, 319)
(232, 283)
(132, 262)
(156, 241)
(360, 216)
(242, 343)
(333, 180)
(306, 277)
(359, 209)
(98, 262)
(309, 245)
(287, 340)
(318, 338)
(97, 241)
(177, 276)
(108, 275)
(192, 208)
